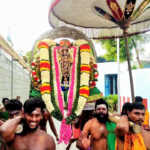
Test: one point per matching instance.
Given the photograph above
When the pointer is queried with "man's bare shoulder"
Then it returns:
(44, 134)
(146, 137)
(50, 142)
(91, 121)
(35, 135)
(39, 135)
(47, 140)
(146, 133)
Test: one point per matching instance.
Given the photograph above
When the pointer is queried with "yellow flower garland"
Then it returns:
(84, 78)
(45, 74)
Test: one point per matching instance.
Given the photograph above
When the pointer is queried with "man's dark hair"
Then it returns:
(125, 108)
(136, 105)
(13, 104)
(4, 100)
(138, 99)
(101, 101)
(33, 103)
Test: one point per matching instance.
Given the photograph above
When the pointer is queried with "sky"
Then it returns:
(24, 21)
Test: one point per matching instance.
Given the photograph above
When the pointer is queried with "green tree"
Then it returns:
(110, 45)
(138, 42)
(112, 101)
(135, 42)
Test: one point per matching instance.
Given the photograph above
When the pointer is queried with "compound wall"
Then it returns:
(14, 79)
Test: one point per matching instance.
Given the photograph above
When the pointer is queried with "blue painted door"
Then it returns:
(110, 84)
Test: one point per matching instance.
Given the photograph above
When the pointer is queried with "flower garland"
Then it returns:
(34, 75)
(35, 81)
(65, 130)
(50, 86)
(51, 91)
(73, 79)
(84, 69)
(57, 85)
(57, 112)
(45, 88)
(58, 94)
(85, 75)
(93, 74)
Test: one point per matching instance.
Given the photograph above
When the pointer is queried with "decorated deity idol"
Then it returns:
(66, 73)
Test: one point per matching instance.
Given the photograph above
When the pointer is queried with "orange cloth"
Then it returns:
(134, 142)
(146, 119)
(75, 132)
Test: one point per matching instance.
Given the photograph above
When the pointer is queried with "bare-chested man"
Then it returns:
(94, 133)
(127, 137)
(32, 137)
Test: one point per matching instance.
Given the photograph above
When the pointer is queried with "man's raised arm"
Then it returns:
(8, 128)
(122, 126)
(52, 126)
(84, 140)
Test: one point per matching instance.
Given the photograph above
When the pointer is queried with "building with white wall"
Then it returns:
(108, 80)
(14, 73)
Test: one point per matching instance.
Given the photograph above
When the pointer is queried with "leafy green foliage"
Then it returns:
(111, 47)
(134, 67)
(112, 101)
(135, 42)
